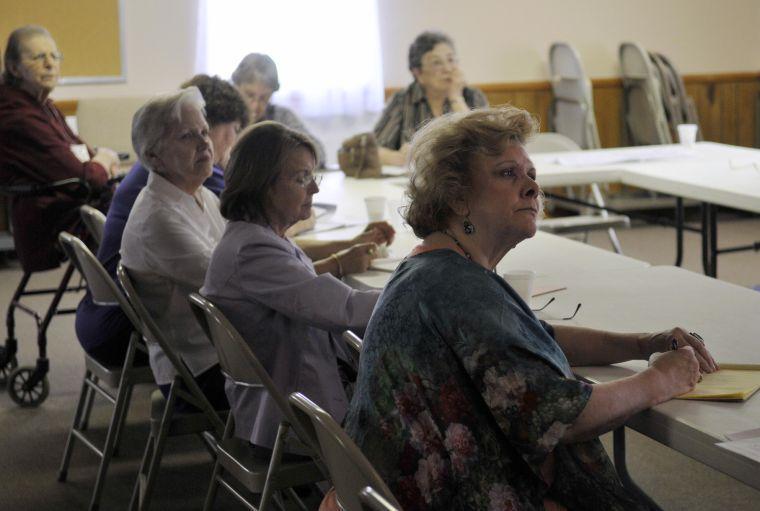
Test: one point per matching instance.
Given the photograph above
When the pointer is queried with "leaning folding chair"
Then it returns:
(95, 221)
(259, 470)
(114, 383)
(207, 423)
(644, 113)
(350, 471)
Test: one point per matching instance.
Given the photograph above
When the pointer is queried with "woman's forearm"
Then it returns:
(586, 346)
(320, 249)
(391, 157)
(611, 404)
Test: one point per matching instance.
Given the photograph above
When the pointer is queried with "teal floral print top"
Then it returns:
(463, 396)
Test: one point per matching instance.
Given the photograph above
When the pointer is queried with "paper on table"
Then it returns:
(730, 383)
(632, 154)
(749, 447)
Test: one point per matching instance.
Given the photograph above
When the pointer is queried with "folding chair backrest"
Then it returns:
(679, 106)
(103, 289)
(153, 333)
(572, 112)
(238, 361)
(95, 221)
(644, 112)
(350, 471)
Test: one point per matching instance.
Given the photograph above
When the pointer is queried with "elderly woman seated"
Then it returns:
(269, 288)
(438, 88)
(172, 230)
(256, 79)
(104, 330)
(38, 147)
(465, 400)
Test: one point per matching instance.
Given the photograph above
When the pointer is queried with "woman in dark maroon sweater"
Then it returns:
(38, 147)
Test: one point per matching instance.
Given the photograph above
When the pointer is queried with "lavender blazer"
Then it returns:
(290, 316)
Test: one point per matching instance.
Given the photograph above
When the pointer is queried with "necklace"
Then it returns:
(456, 241)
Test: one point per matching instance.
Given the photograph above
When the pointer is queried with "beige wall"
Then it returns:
(498, 40)
(160, 50)
(508, 40)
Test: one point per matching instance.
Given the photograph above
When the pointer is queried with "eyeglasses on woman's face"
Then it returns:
(41, 58)
(305, 179)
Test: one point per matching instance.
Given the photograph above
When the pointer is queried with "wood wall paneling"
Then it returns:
(727, 105)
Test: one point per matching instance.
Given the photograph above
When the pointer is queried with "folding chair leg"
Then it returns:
(114, 427)
(614, 240)
(208, 504)
(134, 502)
(68, 449)
(144, 492)
(274, 464)
(85, 421)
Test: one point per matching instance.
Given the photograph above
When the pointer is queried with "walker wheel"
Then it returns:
(22, 393)
(7, 367)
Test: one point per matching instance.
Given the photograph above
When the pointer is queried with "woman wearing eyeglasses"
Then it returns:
(38, 147)
(289, 309)
(438, 88)
(465, 400)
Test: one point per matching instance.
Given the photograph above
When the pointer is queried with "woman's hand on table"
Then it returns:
(663, 341)
(356, 259)
(679, 371)
(376, 232)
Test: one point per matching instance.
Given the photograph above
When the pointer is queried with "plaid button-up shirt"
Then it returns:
(408, 110)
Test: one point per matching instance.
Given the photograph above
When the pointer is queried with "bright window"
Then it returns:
(327, 51)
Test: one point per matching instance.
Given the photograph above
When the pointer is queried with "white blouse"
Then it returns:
(167, 245)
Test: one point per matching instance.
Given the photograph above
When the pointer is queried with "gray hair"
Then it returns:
(424, 43)
(155, 118)
(257, 67)
(441, 158)
(13, 50)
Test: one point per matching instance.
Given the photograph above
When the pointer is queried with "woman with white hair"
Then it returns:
(172, 230)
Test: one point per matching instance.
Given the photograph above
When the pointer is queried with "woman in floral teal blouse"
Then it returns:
(464, 399)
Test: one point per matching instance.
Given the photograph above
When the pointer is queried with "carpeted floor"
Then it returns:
(32, 440)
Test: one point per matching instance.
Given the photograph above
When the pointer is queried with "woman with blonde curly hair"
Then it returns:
(465, 400)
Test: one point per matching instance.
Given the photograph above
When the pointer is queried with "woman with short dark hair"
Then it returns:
(438, 88)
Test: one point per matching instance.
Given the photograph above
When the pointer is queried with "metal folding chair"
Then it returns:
(115, 384)
(644, 113)
(258, 470)
(350, 471)
(572, 109)
(582, 223)
(207, 423)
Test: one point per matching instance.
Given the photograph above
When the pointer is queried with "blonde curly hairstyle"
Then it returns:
(441, 156)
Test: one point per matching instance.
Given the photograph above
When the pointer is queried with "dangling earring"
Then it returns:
(469, 228)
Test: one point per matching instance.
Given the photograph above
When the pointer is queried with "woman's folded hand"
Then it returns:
(356, 259)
